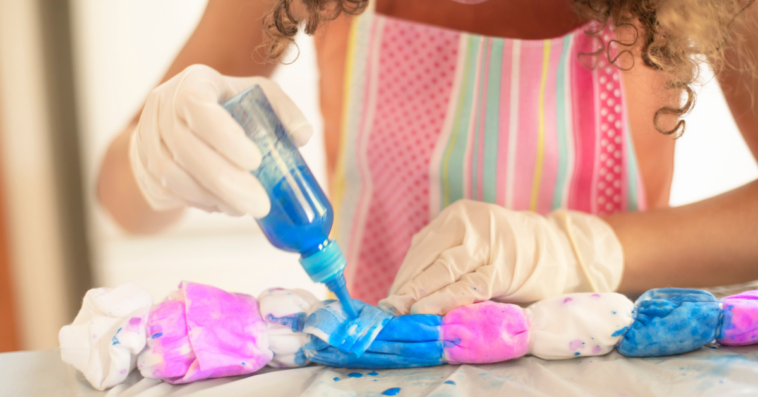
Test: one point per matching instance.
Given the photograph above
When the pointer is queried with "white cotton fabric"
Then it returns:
(107, 334)
(581, 324)
(286, 343)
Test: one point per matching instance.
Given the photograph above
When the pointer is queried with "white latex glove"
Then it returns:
(188, 150)
(475, 251)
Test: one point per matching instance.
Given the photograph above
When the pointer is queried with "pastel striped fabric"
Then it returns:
(434, 115)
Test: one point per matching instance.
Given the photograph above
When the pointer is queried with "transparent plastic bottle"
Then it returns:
(301, 216)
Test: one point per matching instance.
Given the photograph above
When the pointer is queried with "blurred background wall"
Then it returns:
(72, 73)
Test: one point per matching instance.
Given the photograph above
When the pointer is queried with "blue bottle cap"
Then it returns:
(325, 264)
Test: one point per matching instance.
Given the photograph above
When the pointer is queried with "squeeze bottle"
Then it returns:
(301, 216)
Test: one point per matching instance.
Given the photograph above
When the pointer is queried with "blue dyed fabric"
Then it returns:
(671, 321)
(331, 324)
(404, 342)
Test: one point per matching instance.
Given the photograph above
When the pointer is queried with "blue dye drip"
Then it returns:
(450, 382)
(373, 373)
(114, 340)
(337, 285)
(355, 375)
(391, 392)
(158, 335)
(336, 379)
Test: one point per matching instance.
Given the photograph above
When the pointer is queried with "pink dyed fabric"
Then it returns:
(204, 332)
(486, 332)
(740, 322)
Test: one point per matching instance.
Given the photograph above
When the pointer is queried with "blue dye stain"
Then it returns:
(114, 340)
(374, 380)
(614, 312)
(158, 335)
(355, 375)
(450, 382)
(671, 321)
(577, 353)
(295, 322)
(451, 343)
(619, 332)
(391, 392)
(350, 335)
(726, 322)
(300, 357)
(336, 379)
(373, 373)
(243, 363)
(404, 342)
(721, 381)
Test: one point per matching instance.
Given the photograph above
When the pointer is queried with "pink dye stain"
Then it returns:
(487, 332)
(94, 336)
(595, 295)
(123, 371)
(740, 325)
(134, 324)
(567, 300)
(207, 335)
(596, 350)
(576, 344)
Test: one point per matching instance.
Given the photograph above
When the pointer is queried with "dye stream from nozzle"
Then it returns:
(340, 290)
(301, 216)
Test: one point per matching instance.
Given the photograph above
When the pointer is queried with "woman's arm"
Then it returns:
(715, 241)
(709, 243)
(226, 39)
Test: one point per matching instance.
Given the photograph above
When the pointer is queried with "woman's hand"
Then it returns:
(187, 150)
(475, 251)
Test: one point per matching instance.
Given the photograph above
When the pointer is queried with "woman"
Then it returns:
(545, 105)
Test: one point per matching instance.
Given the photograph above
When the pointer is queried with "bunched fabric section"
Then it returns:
(584, 324)
(284, 312)
(203, 332)
(485, 332)
(740, 324)
(671, 321)
(107, 334)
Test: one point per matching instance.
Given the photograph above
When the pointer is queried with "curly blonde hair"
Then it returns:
(673, 36)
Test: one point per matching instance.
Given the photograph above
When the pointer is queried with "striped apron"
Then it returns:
(434, 115)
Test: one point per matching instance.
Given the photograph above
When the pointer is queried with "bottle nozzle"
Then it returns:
(337, 285)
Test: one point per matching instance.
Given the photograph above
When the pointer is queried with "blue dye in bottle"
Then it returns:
(301, 216)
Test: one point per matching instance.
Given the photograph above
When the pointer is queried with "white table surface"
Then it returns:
(709, 371)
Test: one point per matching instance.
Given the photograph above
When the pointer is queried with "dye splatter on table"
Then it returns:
(709, 371)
